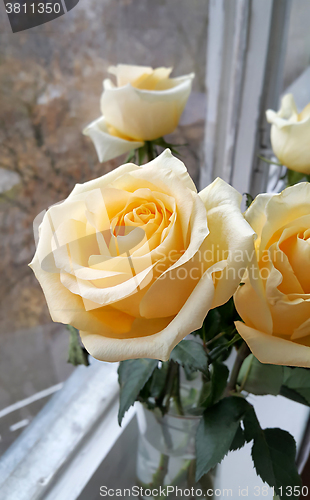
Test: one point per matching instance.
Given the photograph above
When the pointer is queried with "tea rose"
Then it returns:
(290, 135)
(274, 302)
(145, 104)
(135, 259)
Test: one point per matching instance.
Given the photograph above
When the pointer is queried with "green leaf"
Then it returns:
(77, 354)
(133, 374)
(259, 378)
(239, 440)
(219, 378)
(205, 393)
(158, 380)
(218, 328)
(270, 162)
(190, 373)
(216, 432)
(211, 325)
(228, 314)
(273, 453)
(191, 354)
(251, 424)
(293, 395)
(294, 177)
(248, 199)
(164, 144)
(298, 379)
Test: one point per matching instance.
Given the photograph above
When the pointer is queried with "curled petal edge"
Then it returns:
(108, 146)
(274, 350)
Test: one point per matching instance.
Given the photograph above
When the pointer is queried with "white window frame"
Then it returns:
(249, 38)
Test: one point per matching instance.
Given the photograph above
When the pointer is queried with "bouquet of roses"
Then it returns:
(172, 282)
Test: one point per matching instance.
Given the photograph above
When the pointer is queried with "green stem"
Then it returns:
(204, 337)
(170, 390)
(191, 474)
(243, 352)
(180, 477)
(182, 474)
(177, 395)
(215, 353)
(131, 156)
(206, 482)
(150, 150)
(167, 388)
(246, 376)
(218, 336)
(160, 474)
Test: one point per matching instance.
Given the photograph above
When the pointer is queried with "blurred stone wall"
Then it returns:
(50, 85)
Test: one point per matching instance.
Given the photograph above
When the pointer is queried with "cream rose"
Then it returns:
(290, 135)
(274, 302)
(136, 258)
(145, 104)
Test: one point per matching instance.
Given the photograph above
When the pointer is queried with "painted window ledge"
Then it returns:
(74, 432)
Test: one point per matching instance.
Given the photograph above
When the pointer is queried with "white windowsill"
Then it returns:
(53, 454)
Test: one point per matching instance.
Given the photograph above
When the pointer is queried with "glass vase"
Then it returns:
(166, 457)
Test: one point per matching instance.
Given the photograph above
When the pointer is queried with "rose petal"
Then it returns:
(108, 146)
(145, 115)
(156, 345)
(127, 73)
(290, 135)
(274, 350)
(285, 208)
(287, 113)
(289, 282)
(68, 308)
(252, 306)
(169, 163)
(256, 213)
(297, 251)
(230, 239)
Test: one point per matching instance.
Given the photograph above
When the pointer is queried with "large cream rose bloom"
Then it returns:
(290, 135)
(274, 302)
(136, 258)
(145, 104)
